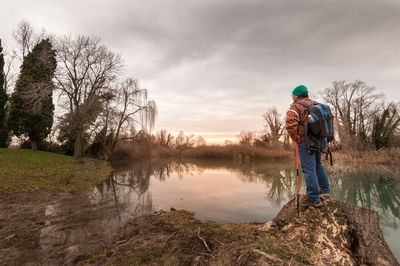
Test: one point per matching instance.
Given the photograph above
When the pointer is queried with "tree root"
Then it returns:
(270, 257)
(204, 241)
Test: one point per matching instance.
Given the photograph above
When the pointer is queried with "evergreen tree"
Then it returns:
(4, 136)
(32, 105)
(385, 125)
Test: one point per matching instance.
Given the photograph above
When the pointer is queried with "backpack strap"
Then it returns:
(304, 104)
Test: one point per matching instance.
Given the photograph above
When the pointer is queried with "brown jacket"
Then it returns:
(297, 113)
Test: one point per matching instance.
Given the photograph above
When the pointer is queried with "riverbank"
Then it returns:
(27, 170)
(61, 226)
(338, 233)
(33, 186)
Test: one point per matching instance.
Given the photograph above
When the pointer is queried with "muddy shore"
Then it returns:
(38, 228)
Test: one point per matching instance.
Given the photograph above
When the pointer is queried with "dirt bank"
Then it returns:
(60, 228)
(338, 233)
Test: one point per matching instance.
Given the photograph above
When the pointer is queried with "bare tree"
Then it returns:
(246, 137)
(353, 104)
(85, 73)
(26, 38)
(183, 142)
(164, 138)
(10, 73)
(200, 141)
(274, 124)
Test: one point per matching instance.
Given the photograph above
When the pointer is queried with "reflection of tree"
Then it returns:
(358, 186)
(362, 189)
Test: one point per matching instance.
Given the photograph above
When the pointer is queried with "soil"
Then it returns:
(50, 228)
(62, 228)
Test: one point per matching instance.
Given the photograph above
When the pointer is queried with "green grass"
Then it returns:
(23, 170)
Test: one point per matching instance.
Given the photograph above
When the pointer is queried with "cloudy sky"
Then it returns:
(214, 66)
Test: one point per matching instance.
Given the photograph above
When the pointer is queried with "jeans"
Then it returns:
(314, 172)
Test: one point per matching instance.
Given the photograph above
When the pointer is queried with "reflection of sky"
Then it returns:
(250, 193)
(227, 193)
(392, 237)
(214, 195)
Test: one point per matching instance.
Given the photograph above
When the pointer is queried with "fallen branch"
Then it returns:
(204, 241)
(270, 257)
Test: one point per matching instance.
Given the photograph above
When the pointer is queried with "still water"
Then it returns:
(231, 192)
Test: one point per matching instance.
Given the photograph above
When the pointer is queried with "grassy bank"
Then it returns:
(22, 170)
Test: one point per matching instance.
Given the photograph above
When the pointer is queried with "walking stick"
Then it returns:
(297, 169)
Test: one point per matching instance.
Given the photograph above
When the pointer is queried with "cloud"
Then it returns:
(217, 65)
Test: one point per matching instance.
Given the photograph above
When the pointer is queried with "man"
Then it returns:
(314, 173)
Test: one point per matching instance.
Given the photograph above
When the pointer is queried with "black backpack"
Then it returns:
(318, 127)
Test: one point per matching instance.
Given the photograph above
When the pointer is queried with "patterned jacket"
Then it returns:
(296, 117)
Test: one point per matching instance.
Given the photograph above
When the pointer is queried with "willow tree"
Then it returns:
(32, 105)
(85, 77)
(128, 108)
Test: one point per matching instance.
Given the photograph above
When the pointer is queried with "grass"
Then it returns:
(177, 238)
(242, 153)
(387, 156)
(25, 170)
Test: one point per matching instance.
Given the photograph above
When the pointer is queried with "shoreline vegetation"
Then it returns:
(244, 153)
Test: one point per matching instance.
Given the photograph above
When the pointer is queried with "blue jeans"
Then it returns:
(314, 172)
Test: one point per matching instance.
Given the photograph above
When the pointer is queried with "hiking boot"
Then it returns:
(324, 196)
(308, 202)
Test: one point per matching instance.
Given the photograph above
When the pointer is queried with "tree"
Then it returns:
(26, 38)
(85, 75)
(385, 124)
(4, 136)
(163, 138)
(354, 105)
(32, 105)
(184, 142)
(246, 137)
(274, 124)
(129, 107)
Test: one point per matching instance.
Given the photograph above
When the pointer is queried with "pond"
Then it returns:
(230, 192)
(221, 191)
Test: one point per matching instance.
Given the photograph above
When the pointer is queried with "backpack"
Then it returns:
(318, 128)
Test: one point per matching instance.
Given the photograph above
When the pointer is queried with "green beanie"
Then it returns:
(300, 90)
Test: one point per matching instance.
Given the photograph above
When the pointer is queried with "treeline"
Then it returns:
(138, 145)
(364, 119)
(95, 104)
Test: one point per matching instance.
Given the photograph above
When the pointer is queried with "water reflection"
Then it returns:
(129, 186)
(223, 191)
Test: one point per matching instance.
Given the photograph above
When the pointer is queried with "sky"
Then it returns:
(215, 66)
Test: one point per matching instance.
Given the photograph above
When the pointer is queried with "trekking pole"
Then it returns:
(297, 170)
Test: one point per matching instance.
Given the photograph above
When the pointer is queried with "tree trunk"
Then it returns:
(78, 146)
(33, 145)
(343, 234)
